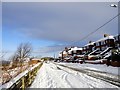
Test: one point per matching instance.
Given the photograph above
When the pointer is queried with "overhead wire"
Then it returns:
(96, 29)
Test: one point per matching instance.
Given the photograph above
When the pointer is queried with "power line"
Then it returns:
(96, 29)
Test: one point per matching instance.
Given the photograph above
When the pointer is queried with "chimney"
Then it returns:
(106, 35)
(90, 41)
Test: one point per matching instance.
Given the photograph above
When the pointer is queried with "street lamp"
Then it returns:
(113, 5)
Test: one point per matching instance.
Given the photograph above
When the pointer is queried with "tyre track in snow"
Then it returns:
(65, 75)
(112, 79)
(61, 78)
(71, 79)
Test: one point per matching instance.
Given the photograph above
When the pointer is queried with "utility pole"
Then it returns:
(54, 56)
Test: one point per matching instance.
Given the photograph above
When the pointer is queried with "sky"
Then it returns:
(50, 26)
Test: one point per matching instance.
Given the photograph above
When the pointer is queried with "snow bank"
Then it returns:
(97, 67)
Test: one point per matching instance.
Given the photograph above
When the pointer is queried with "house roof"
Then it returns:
(92, 43)
(105, 38)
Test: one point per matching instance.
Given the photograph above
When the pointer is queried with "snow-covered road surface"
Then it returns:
(54, 76)
(95, 67)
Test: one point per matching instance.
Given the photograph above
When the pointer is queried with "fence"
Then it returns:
(23, 80)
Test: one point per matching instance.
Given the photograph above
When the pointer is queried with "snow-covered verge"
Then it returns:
(15, 79)
(7, 75)
(55, 76)
(96, 67)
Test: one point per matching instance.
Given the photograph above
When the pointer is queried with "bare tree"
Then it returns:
(14, 61)
(23, 51)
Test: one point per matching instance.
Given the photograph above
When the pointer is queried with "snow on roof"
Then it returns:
(76, 48)
(105, 38)
(106, 50)
(92, 43)
(60, 55)
(116, 35)
(64, 52)
(70, 51)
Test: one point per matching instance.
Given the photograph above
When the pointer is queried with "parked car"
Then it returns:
(79, 61)
(57, 60)
(71, 60)
(113, 58)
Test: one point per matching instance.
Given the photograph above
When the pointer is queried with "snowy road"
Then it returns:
(55, 76)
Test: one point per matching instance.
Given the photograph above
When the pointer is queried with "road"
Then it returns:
(54, 75)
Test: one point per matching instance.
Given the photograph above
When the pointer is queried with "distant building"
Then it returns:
(70, 52)
(34, 61)
(100, 47)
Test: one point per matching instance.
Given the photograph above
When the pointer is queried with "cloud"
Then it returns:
(53, 48)
(59, 22)
(49, 50)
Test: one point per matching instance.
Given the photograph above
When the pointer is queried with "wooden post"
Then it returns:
(23, 83)
(29, 77)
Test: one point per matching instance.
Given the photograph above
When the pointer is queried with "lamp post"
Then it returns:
(114, 5)
(113, 50)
